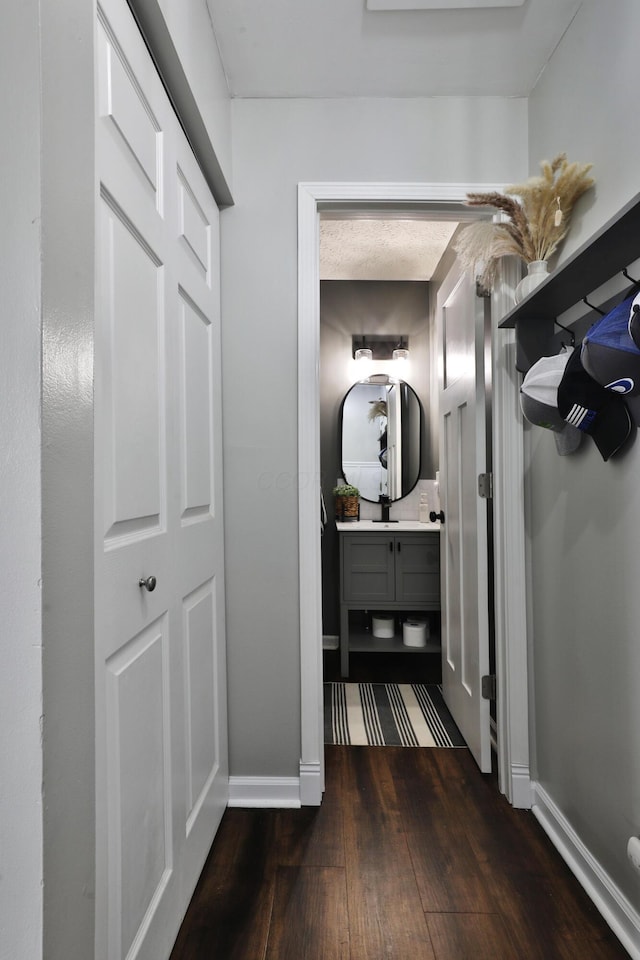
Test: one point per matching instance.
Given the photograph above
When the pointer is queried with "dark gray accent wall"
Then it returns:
(349, 307)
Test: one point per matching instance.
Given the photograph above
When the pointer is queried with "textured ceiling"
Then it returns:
(439, 4)
(339, 48)
(361, 249)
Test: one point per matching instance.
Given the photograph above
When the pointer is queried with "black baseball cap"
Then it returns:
(610, 354)
(593, 409)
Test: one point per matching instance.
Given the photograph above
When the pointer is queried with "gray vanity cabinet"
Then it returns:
(368, 568)
(386, 572)
(418, 570)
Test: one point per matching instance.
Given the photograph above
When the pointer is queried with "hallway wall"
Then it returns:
(584, 514)
(276, 144)
(20, 568)
(181, 35)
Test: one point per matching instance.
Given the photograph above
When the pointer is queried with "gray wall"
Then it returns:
(276, 144)
(180, 35)
(68, 232)
(189, 25)
(350, 307)
(584, 514)
(20, 567)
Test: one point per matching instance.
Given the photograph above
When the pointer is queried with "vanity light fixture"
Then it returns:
(380, 346)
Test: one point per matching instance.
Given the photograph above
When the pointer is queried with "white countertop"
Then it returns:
(375, 526)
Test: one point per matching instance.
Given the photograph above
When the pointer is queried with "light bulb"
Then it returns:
(400, 354)
(363, 354)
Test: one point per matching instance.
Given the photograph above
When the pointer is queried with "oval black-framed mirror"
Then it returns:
(380, 438)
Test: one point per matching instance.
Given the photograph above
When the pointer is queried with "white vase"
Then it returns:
(537, 270)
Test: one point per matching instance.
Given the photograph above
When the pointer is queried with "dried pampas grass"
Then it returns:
(484, 243)
(538, 212)
(378, 409)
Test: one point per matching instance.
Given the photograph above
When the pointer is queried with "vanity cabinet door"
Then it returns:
(368, 569)
(418, 569)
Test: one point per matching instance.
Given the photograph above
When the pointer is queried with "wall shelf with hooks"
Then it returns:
(608, 252)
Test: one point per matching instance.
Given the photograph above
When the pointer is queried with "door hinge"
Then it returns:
(485, 486)
(489, 687)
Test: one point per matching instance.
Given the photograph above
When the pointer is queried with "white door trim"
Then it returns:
(509, 554)
(511, 666)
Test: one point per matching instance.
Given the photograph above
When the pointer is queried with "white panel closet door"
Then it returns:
(161, 740)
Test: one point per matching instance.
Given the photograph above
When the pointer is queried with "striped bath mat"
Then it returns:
(388, 714)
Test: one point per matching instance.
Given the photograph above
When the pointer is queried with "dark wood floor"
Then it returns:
(413, 855)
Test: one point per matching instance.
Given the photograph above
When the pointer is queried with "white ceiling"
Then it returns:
(340, 48)
(345, 48)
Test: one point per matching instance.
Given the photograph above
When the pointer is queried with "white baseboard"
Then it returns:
(264, 792)
(616, 909)
(311, 784)
(521, 787)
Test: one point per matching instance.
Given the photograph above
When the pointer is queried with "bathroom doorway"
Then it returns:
(511, 671)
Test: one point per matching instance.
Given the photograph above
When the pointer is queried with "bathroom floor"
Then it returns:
(384, 667)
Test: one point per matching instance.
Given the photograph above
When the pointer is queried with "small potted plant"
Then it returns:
(347, 502)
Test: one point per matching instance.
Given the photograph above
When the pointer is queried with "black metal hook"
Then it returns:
(625, 274)
(592, 307)
(569, 331)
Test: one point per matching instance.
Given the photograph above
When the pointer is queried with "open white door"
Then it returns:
(161, 734)
(465, 621)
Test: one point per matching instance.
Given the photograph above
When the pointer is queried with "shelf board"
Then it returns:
(606, 253)
(366, 643)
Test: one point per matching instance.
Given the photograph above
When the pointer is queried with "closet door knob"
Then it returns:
(149, 583)
(433, 516)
